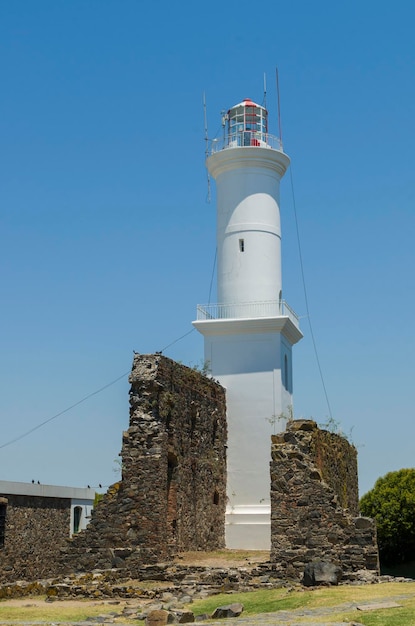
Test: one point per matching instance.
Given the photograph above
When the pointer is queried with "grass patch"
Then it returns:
(261, 601)
(37, 610)
(272, 600)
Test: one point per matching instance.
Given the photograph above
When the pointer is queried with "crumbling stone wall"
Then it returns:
(172, 496)
(35, 527)
(314, 503)
(337, 461)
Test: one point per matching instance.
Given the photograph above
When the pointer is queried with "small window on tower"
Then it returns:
(241, 245)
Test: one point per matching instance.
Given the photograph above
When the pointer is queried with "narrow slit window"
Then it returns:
(242, 245)
(286, 374)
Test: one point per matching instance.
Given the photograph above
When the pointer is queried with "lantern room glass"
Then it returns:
(247, 124)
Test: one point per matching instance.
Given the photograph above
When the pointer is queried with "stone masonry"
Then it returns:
(172, 496)
(35, 529)
(314, 503)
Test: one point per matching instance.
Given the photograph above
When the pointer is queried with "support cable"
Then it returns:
(87, 397)
(213, 275)
(69, 408)
(306, 297)
(176, 340)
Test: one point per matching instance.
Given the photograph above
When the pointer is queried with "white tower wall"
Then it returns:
(250, 332)
(248, 224)
(252, 359)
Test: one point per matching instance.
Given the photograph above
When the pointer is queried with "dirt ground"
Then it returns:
(223, 558)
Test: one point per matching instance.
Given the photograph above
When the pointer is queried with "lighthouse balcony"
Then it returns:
(246, 139)
(247, 310)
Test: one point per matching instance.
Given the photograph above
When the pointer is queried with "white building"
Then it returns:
(249, 334)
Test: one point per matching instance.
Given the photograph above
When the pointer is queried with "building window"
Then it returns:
(3, 508)
(77, 516)
(241, 245)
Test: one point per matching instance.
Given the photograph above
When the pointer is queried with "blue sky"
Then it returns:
(107, 242)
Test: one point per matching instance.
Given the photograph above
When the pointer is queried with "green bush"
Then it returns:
(391, 503)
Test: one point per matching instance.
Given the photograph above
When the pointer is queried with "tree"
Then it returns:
(391, 503)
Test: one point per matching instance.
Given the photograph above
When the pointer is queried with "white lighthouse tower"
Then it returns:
(249, 334)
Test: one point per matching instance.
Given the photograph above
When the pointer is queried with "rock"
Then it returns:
(122, 553)
(166, 596)
(321, 573)
(185, 599)
(363, 523)
(228, 610)
(182, 617)
(129, 612)
(157, 617)
(366, 576)
(264, 579)
(307, 425)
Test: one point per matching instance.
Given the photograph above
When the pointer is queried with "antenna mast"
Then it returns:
(265, 91)
(279, 108)
(206, 145)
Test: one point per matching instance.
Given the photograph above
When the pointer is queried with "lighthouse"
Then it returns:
(249, 333)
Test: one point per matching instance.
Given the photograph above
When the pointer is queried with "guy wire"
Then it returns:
(306, 296)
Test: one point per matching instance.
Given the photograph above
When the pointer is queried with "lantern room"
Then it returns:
(247, 124)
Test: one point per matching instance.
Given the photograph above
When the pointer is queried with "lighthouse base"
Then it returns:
(251, 358)
(248, 528)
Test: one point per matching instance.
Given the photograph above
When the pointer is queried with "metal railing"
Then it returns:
(245, 138)
(274, 308)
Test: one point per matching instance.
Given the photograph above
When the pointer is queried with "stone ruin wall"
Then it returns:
(314, 503)
(172, 496)
(35, 528)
